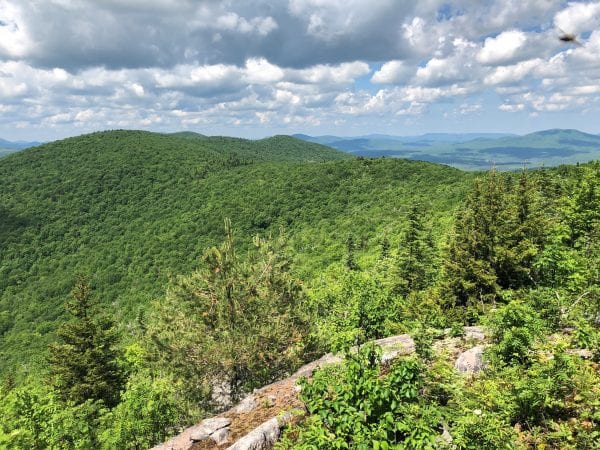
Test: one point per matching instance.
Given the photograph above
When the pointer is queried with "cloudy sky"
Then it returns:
(260, 67)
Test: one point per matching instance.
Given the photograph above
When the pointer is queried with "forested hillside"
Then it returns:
(145, 277)
(128, 209)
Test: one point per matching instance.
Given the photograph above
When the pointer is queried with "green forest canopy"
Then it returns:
(131, 208)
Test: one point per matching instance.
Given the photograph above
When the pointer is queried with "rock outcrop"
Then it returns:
(241, 424)
(263, 436)
(471, 361)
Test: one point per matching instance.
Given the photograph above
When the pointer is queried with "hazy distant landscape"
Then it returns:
(475, 151)
(7, 147)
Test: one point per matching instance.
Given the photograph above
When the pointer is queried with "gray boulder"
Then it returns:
(471, 361)
(221, 436)
(247, 405)
(208, 427)
(264, 436)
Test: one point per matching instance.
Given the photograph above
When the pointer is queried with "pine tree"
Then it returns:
(469, 266)
(83, 362)
(497, 235)
(350, 248)
(236, 321)
(415, 255)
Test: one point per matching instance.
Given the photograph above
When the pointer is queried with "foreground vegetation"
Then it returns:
(346, 252)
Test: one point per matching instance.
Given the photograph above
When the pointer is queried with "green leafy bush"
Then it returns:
(354, 307)
(515, 328)
(358, 406)
(148, 411)
(33, 417)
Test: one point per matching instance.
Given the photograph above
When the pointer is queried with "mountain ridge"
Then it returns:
(130, 208)
(476, 151)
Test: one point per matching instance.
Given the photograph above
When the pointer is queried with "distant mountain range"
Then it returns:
(468, 151)
(12, 146)
(474, 151)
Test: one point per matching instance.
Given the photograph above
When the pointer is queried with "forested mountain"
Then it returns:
(129, 208)
(476, 151)
(141, 274)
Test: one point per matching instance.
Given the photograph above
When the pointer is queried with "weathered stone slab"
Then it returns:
(471, 360)
(395, 346)
(221, 436)
(247, 405)
(477, 333)
(325, 360)
(208, 426)
(263, 436)
(581, 352)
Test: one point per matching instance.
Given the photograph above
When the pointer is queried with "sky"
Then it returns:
(255, 68)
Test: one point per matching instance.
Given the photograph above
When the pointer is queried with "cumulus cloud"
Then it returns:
(393, 72)
(502, 49)
(512, 74)
(325, 74)
(578, 17)
(457, 67)
(272, 65)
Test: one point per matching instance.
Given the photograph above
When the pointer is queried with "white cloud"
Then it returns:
(512, 74)
(502, 49)
(512, 108)
(457, 67)
(15, 41)
(421, 36)
(578, 17)
(261, 71)
(393, 72)
(326, 74)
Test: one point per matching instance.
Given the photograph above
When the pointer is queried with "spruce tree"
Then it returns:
(415, 255)
(350, 248)
(522, 235)
(83, 362)
(469, 266)
(385, 248)
(497, 235)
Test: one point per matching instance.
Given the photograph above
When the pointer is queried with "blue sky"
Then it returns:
(263, 67)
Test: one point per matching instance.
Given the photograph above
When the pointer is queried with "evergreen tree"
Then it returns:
(469, 267)
(497, 236)
(522, 235)
(385, 248)
(415, 255)
(83, 362)
(584, 214)
(350, 248)
(234, 321)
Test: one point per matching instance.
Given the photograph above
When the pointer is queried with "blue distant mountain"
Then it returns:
(7, 147)
(475, 151)
(427, 137)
